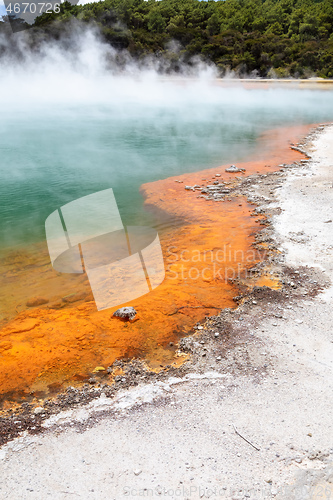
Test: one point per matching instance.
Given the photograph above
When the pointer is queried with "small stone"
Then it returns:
(216, 334)
(200, 328)
(234, 169)
(37, 301)
(189, 188)
(98, 369)
(298, 460)
(137, 472)
(74, 297)
(309, 434)
(127, 313)
(254, 302)
(38, 410)
(218, 358)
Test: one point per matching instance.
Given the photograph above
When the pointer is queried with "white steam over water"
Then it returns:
(77, 116)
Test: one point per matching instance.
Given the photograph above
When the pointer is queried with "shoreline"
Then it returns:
(292, 431)
(273, 381)
(69, 338)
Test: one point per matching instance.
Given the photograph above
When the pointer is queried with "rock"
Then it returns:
(127, 313)
(217, 175)
(216, 334)
(137, 472)
(189, 188)
(38, 410)
(37, 301)
(233, 169)
(74, 297)
(98, 369)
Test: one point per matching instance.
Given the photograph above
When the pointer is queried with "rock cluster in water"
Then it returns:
(233, 169)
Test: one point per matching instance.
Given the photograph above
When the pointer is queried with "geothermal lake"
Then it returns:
(65, 138)
(122, 133)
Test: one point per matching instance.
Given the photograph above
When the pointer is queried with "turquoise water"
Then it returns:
(53, 152)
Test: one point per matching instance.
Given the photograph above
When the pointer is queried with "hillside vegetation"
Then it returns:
(258, 37)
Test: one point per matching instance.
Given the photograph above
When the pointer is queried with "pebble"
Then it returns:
(125, 313)
(216, 334)
(98, 369)
(38, 410)
(234, 169)
(137, 472)
(36, 301)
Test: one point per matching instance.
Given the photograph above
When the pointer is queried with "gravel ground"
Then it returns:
(248, 416)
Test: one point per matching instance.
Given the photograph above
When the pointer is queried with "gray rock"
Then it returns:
(125, 313)
(234, 169)
(38, 410)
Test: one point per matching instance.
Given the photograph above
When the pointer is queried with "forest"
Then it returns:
(257, 38)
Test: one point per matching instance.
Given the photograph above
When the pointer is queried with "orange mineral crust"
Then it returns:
(51, 332)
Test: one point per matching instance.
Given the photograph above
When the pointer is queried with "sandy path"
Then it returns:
(176, 439)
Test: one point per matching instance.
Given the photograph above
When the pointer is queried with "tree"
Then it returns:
(156, 22)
